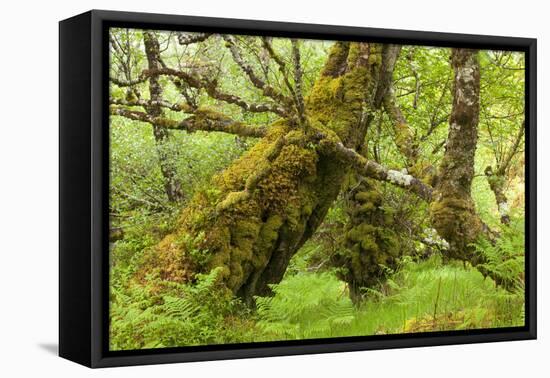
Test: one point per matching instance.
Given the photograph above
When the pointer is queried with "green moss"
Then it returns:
(337, 56)
(268, 234)
(243, 234)
(353, 55)
(375, 54)
(456, 221)
(497, 183)
(371, 243)
(336, 101)
(232, 199)
(365, 209)
(371, 196)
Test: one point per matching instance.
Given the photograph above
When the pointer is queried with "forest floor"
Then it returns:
(420, 296)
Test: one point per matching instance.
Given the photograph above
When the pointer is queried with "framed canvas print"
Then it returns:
(233, 188)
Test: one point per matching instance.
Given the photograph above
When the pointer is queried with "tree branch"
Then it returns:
(280, 63)
(209, 120)
(404, 136)
(204, 120)
(128, 83)
(389, 56)
(503, 166)
(434, 121)
(371, 169)
(298, 93)
(185, 39)
(266, 89)
(209, 86)
(177, 107)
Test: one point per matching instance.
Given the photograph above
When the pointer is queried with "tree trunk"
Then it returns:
(497, 177)
(262, 209)
(452, 211)
(172, 186)
(370, 244)
(497, 182)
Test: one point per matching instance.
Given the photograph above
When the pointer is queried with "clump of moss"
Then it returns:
(456, 221)
(372, 247)
(336, 59)
(336, 101)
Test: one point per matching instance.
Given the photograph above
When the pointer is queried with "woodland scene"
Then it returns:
(271, 189)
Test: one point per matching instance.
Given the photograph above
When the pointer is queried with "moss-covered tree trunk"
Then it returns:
(263, 207)
(369, 243)
(452, 211)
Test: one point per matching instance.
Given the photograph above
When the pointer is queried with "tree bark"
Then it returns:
(262, 209)
(453, 212)
(497, 182)
(172, 186)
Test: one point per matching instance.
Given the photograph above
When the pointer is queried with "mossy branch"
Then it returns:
(404, 136)
(298, 93)
(176, 107)
(252, 181)
(210, 86)
(202, 119)
(497, 182)
(371, 169)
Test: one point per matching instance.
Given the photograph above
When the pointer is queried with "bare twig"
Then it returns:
(266, 89)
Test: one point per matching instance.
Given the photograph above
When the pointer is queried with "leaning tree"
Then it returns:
(261, 209)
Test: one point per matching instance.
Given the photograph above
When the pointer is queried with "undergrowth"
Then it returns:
(420, 297)
(164, 314)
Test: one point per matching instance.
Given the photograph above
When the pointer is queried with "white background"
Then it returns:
(29, 187)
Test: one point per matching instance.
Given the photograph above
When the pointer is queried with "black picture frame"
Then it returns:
(83, 194)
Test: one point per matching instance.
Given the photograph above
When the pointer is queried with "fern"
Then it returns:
(505, 258)
(420, 297)
(181, 315)
(305, 306)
